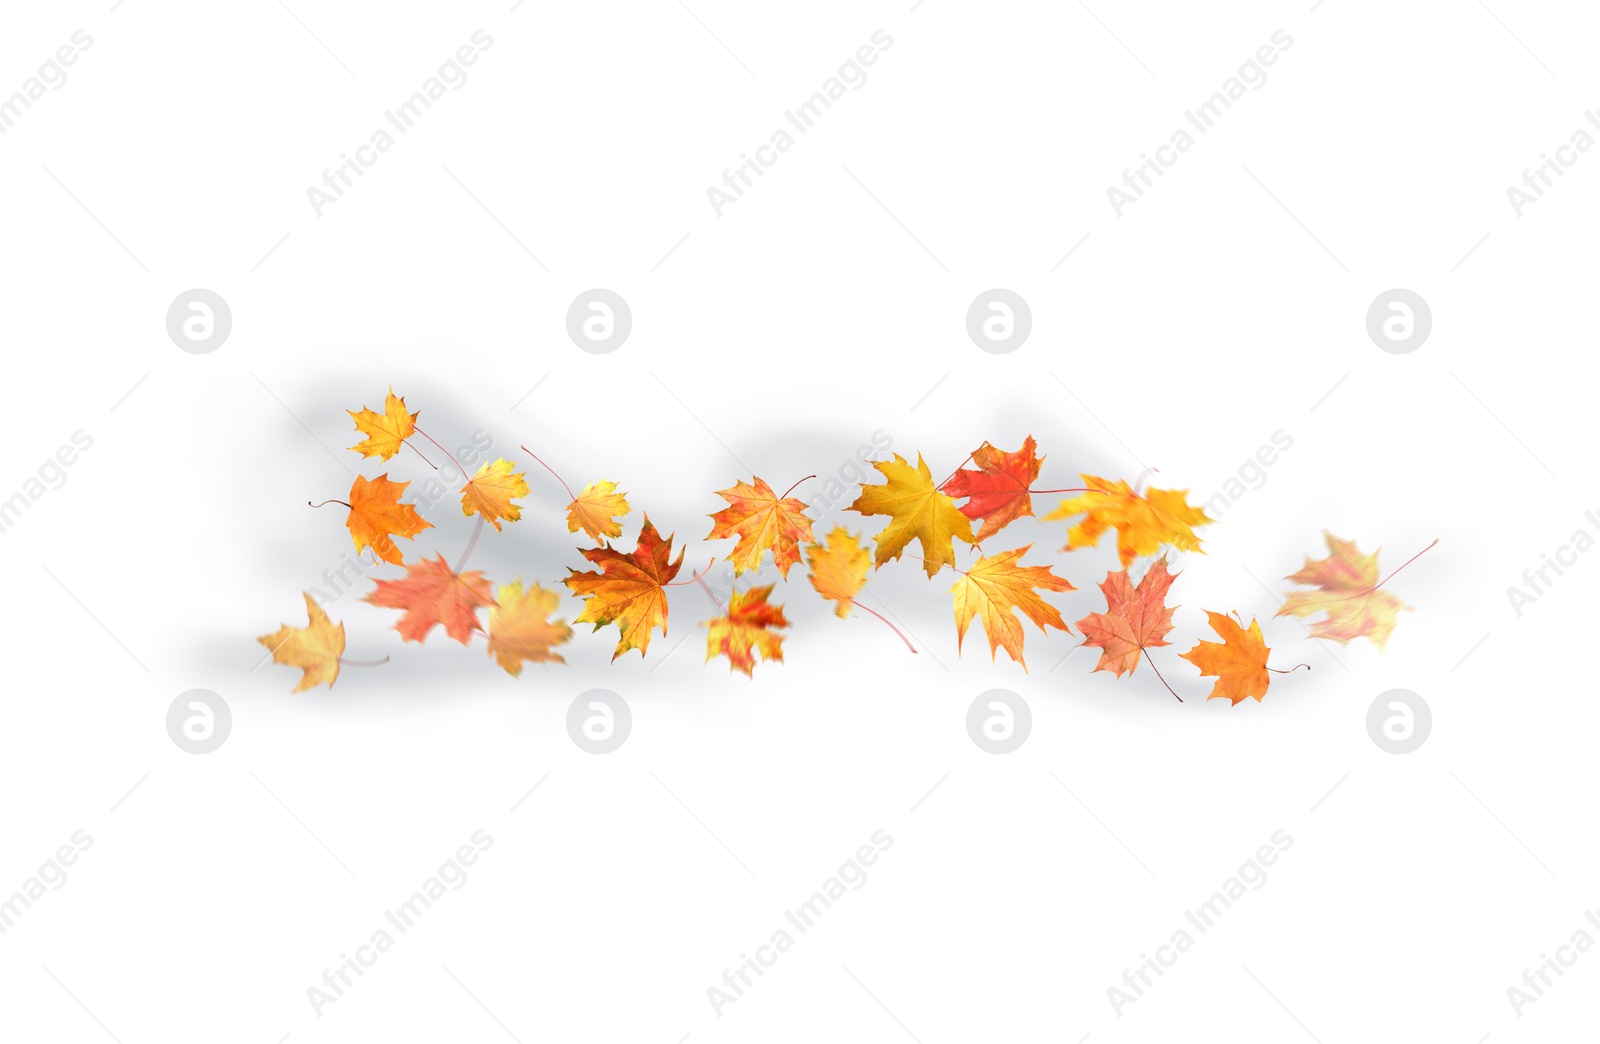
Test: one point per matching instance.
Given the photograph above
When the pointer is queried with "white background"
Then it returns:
(826, 305)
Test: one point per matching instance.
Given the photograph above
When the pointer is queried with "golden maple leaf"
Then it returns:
(384, 431)
(746, 626)
(1143, 523)
(996, 586)
(314, 648)
(596, 510)
(489, 493)
(376, 516)
(839, 570)
(1238, 662)
(520, 628)
(630, 589)
(916, 509)
(1347, 590)
(761, 520)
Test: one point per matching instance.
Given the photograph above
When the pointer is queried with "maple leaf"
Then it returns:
(384, 431)
(745, 627)
(1135, 619)
(596, 510)
(998, 491)
(314, 648)
(519, 628)
(1238, 662)
(433, 593)
(916, 509)
(630, 589)
(1347, 590)
(761, 520)
(376, 516)
(489, 493)
(1143, 523)
(839, 570)
(996, 586)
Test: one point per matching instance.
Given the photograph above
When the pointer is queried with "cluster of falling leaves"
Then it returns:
(628, 588)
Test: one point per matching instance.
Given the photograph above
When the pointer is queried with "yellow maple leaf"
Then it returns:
(996, 586)
(377, 516)
(747, 626)
(1143, 523)
(761, 520)
(1238, 662)
(489, 493)
(314, 648)
(916, 509)
(596, 510)
(520, 629)
(839, 570)
(384, 431)
(1346, 585)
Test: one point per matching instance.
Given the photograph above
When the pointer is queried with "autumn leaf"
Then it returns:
(384, 431)
(489, 493)
(998, 491)
(314, 648)
(519, 628)
(1346, 585)
(761, 520)
(1136, 619)
(916, 509)
(839, 570)
(747, 626)
(376, 516)
(1238, 662)
(596, 510)
(629, 589)
(433, 593)
(1143, 523)
(996, 586)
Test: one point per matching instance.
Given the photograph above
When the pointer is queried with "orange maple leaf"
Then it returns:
(433, 593)
(839, 570)
(489, 493)
(761, 520)
(1347, 590)
(519, 628)
(1143, 523)
(596, 510)
(1136, 619)
(1238, 662)
(314, 648)
(630, 589)
(386, 431)
(998, 491)
(376, 516)
(746, 626)
(995, 587)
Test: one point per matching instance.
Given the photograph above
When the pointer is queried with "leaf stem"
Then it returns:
(1291, 670)
(1076, 489)
(446, 452)
(953, 474)
(885, 619)
(418, 452)
(325, 503)
(952, 565)
(551, 470)
(1158, 673)
(697, 576)
(791, 488)
(1407, 562)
